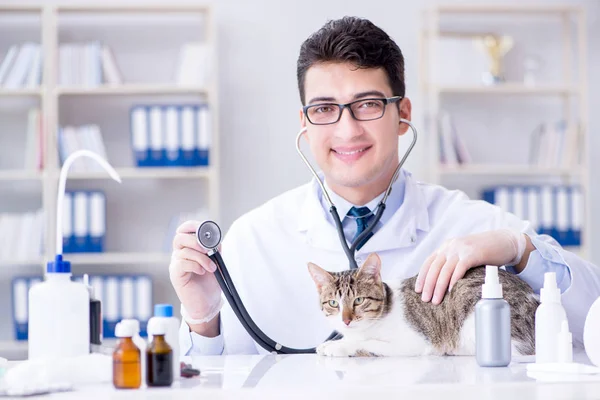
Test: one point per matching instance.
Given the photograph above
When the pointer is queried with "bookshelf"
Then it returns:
(166, 191)
(559, 92)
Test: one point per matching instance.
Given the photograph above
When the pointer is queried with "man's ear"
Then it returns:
(319, 275)
(405, 112)
(371, 268)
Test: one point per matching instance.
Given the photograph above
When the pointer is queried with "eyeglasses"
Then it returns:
(360, 110)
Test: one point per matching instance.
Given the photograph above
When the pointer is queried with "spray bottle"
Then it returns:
(59, 309)
(492, 323)
(548, 321)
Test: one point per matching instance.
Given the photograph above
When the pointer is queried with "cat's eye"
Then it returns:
(358, 301)
(333, 303)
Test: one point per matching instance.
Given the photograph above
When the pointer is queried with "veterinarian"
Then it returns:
(426, 230)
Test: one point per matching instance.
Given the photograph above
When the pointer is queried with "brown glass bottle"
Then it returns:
(159, 362)
(127, 371)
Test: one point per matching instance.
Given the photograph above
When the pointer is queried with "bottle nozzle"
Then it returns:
(491, 288)
(550, 292)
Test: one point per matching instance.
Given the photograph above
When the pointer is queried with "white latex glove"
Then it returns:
(191, 273)
(451, 261)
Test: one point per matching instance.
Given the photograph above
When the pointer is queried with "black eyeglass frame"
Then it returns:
(386, 101)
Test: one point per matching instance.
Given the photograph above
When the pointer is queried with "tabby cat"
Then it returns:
(379, 318)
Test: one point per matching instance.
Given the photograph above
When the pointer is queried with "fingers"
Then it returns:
(423, 273)
(443, 279)
(187, 240)
(188, 227)
(432, 276)
(459, 272)
(202, 260)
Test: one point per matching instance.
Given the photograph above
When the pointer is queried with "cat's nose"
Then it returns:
(347, 321)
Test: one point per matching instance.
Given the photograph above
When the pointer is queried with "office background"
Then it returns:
(258, 111)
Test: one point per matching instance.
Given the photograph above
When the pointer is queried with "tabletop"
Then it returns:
(316, 377)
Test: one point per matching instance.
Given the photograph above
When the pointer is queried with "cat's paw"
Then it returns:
(337, 348)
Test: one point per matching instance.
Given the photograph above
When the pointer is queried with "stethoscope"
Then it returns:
(209, 236)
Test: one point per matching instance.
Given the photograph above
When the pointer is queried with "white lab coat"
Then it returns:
(267, 251)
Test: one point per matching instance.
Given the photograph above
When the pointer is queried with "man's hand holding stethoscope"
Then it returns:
(192, 276)
(455, 257)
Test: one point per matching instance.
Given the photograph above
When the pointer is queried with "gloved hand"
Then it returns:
(191, 273)
(451, 261)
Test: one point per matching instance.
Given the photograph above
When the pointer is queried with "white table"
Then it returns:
(313, 377)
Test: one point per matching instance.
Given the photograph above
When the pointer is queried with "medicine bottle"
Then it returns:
(159, 357)
(127, 368)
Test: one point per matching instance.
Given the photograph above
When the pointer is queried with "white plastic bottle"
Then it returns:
(134, 326)
(565, 343)
(59, 315)
(591, 338)
(164, 312)
(548, 321)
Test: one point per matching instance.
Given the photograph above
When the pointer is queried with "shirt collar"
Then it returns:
(393, 203)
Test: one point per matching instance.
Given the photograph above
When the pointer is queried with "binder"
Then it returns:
(172, 132)
(20, 301)
(562, 216)
(80, 222)
(139, 136)
(67, 229)
(518, 202)
(143, 306)
(188, 142)
(533, 206)
(127, 297)
(157, 139)
(97, 218)
(111, 306)
(203, 135)
(577, 212)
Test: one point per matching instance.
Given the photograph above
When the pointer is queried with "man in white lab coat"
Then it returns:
(351, 83)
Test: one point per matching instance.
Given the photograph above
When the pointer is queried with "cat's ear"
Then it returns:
(371, 267)
(319, 275)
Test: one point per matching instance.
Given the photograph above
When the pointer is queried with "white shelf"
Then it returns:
(117, 258)
(148, 173)
(132, 89)
(515, 170)
(21, 92)
(14, 349)
(507, 88)
(124, 8)
(31, 261)
(506, 8)
(20, 175)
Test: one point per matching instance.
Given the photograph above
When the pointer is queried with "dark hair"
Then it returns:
(354, 40)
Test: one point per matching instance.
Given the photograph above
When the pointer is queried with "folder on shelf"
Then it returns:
(139, 122)
(7, 62)
(97, 218)
(80, 222)
(551, 210)
(172, 132)
(144, 303)
(67, 228)
(188, 140)
(157, 137)
(203, 133)
(110, 306)
(20, 297)
(127, 297)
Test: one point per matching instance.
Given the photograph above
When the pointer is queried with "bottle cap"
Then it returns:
(157, 327)
(133, 323)
(565, 343)
(58, 265)
(124, 330)
(163, 310)
(491, 289)
(550, 293)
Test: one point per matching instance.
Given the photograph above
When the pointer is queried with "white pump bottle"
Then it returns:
(548, 321)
